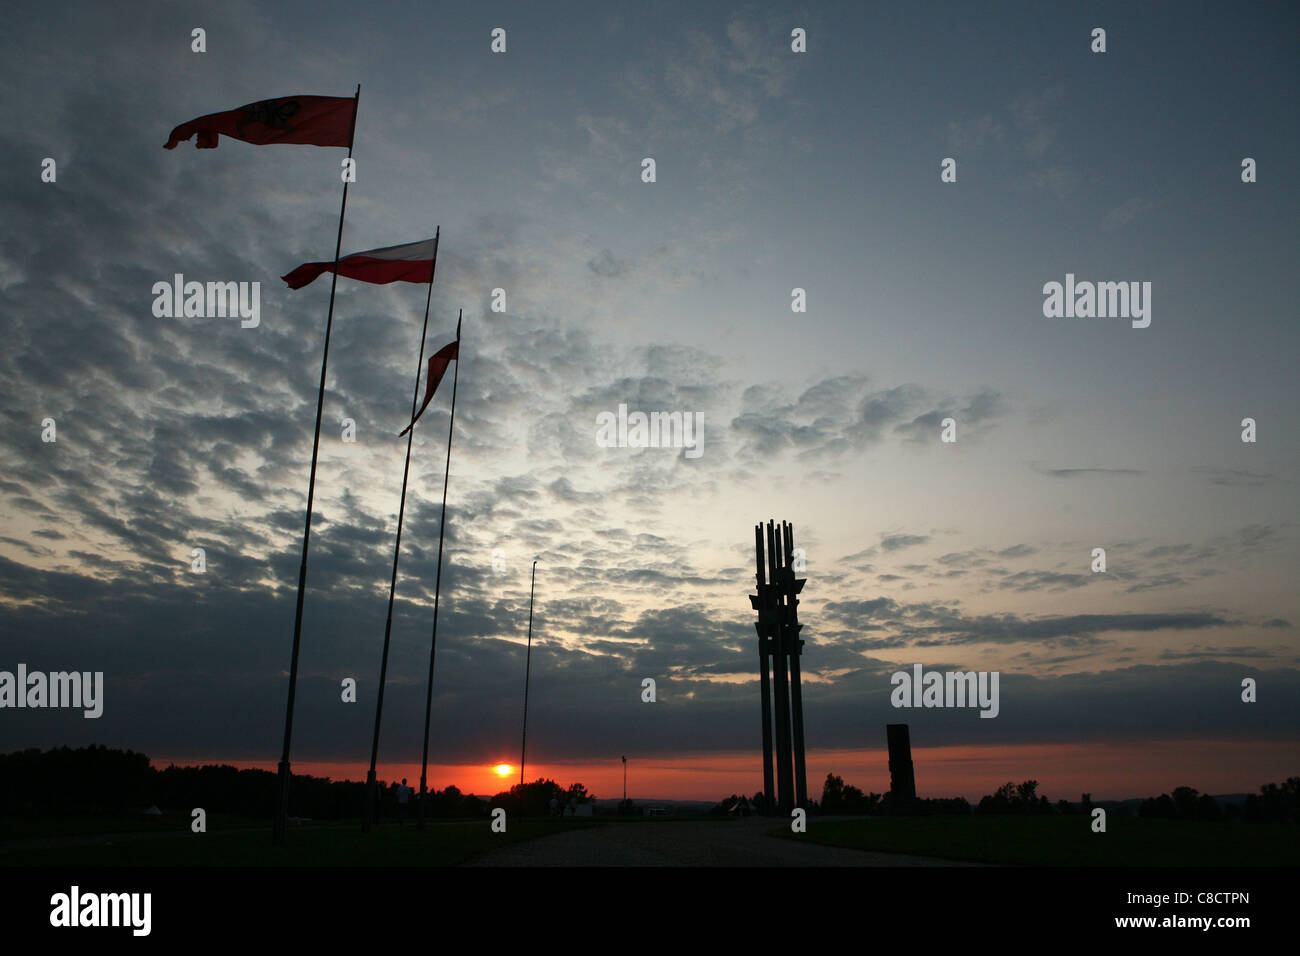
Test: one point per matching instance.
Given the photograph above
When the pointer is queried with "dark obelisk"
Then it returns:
(902, 782)
(791, 627)
(765, 684)
(778, 642)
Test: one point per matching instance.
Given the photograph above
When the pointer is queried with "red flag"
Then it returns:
(306, 120)
(437, 368)
(411, 262)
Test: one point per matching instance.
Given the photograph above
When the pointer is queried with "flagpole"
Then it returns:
(437, 587)
(282, 814)
(528, 666)
(368, 820)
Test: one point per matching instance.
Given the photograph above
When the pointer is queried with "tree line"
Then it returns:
(1274, 803)
(99, 781)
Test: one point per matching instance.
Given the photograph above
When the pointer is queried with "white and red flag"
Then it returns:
(303, 120)
(412, 262)
(437, 369)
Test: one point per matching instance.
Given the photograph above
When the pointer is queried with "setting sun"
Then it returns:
(502, 769)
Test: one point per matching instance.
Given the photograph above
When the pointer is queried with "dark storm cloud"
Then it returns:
(979, 411)
(930, 624)
(1156, 583)
(1080, 472)
(563, 489)
(1045, 581)
(586, 697)
(1133, 566)
(841, 415)
(1177, 565)
(1198, 653)
(1235, 478)
(1016, 551)
(31, 549)
(897, 542)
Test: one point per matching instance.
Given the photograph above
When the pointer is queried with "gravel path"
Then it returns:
(741, 842)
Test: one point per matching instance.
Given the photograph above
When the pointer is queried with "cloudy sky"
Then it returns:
(775, 170)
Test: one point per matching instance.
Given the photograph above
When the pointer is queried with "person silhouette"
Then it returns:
(403, 802)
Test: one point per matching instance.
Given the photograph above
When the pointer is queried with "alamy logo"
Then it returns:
(1102, 300)
(75, 908)
(56, 689)
(216, 300)
(946, 689)
(657, 430)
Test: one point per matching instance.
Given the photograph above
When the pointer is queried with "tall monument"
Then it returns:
(779, 650)
(902, 778)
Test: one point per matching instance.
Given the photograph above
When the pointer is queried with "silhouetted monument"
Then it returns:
(902, 782)
(778, 643)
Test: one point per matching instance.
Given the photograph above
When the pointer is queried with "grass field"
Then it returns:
(439, 844)
(1045, 841)
(1064, 840)
(176, 822)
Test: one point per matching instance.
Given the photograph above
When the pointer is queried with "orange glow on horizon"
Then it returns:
(1107, 770)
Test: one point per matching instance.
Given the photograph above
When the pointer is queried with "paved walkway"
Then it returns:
(742, 842)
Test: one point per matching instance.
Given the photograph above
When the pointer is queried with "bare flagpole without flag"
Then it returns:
(437, 587)
(528, 666)
(369, 818)
(282, 812)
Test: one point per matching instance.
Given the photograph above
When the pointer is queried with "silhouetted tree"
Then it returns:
(840, 798)
(1161, 807)
(577, 793)
(1184, 804)
(1010, 798)
(529, 799)
(1274, 804)
(1207, 808)
(832, 794)
(452, 803)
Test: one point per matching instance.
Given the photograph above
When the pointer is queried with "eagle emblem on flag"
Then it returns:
(273, 113)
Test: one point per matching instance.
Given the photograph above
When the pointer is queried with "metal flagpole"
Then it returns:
(282, 812)
(528, 666)
(437, 587)
(368, 819)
